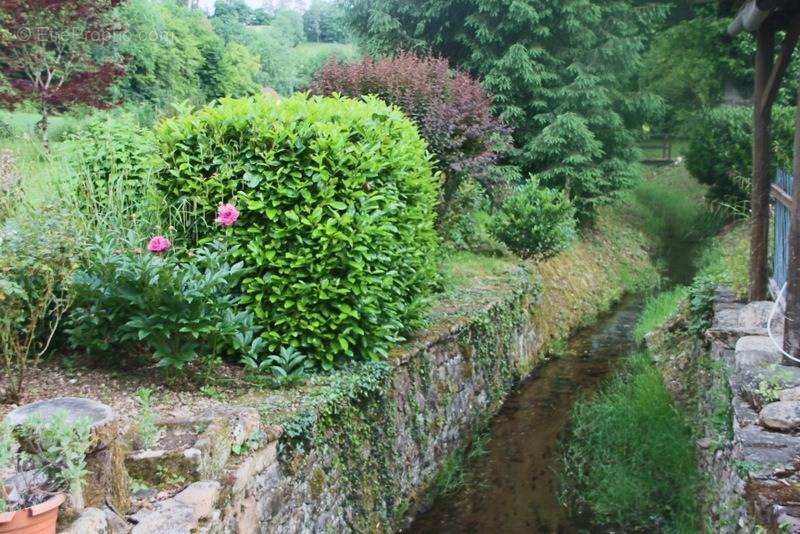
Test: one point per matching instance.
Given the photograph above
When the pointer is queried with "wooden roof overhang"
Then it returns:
(756, 12)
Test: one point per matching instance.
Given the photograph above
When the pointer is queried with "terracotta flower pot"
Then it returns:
(39, 519)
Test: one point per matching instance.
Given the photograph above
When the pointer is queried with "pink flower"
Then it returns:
(227, 214)
(159, 244)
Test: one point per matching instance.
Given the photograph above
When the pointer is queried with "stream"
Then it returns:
(514, 487)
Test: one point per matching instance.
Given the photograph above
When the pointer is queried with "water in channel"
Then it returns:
(514, 487)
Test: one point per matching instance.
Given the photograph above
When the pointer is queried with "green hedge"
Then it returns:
(337, 200)
(720, 152)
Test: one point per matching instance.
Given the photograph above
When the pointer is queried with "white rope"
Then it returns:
(769, 325)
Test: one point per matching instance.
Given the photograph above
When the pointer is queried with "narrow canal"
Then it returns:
(514, 487)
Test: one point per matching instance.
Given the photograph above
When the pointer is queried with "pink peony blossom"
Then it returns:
(227, 214)
(159, 244)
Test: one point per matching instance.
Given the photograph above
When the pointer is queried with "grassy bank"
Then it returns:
(630, 456)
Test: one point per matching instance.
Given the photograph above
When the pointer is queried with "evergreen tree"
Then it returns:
(563, 74)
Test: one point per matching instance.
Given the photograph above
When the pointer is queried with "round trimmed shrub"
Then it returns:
(337, 206)
(535, 221)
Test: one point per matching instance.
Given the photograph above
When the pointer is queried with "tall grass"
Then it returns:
(658, 309)
(630, 457)
(670, 205)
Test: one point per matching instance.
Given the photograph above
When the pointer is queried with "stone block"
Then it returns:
(755, 343)
(201, 496)
(783, 416)
(168, 517)
(91, 521)
(194, 449)
(255, 464)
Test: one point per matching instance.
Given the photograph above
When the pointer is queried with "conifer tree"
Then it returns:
(563, 74)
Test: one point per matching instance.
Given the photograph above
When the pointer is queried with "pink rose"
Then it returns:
(159, 244)
(227, 214)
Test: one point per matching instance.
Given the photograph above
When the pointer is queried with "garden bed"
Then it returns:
(357, 449)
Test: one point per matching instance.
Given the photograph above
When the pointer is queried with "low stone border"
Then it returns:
(756, 473)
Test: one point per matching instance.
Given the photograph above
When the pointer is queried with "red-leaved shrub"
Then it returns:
(451, 110)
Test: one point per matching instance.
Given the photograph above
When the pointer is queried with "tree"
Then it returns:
(57, 53)
(234, 9)
(562, 74)
(186, 61)
(287, 26)
(323, 22)
(239, 69)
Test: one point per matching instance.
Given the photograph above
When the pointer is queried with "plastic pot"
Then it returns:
(39, 519)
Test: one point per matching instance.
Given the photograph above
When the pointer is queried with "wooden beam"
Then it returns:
(781, 196)
(779, 69)
(791, 331)
(762, 168)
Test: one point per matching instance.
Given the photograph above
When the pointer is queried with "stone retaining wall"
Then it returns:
(358, 450)
(754, 470)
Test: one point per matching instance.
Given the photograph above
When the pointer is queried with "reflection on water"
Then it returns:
(514, 488)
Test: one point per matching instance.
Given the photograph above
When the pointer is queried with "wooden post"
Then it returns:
(791, 326)
(759, 223)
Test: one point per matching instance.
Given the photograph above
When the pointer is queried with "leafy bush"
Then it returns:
(720, 148)
(535, 221)
(451, 110)
(146, 418)
(630, 456)
(701, 302)
(180, 309)
(287, 367)
(37, 259)
(11, 193)
(467, 228)
(59, 444)
(337, 208)
(114, 151)
(6, 130)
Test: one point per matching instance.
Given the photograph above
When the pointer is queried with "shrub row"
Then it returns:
(302, 227)
(720, 150)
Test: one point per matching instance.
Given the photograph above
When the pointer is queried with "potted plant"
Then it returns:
(48, 460)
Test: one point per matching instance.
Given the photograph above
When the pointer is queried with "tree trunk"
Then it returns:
(45, 125)
(791, 332)
(759, 224)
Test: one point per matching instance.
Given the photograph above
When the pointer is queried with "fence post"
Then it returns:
(791, 331)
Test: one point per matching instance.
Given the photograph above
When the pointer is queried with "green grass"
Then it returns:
(657, 310)
(42, 173)
(630, 456)
(315, 50)
(653, 149)
(669, 204)
(455, 472)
